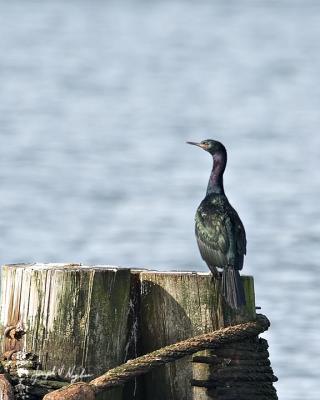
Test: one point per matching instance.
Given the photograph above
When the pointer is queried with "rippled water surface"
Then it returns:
(96, 101)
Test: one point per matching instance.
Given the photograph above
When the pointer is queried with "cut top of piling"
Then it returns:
(91, 316)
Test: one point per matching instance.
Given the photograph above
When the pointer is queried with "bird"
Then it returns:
(220, 233)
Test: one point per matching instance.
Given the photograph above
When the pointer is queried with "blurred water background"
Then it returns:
(96, 101)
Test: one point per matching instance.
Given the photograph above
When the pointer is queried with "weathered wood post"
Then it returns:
(90, 319)
(176, 306)
(75, 318)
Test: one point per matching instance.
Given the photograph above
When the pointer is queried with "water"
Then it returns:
(96, 101)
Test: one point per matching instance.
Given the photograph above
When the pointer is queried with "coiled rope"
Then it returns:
(141, 365)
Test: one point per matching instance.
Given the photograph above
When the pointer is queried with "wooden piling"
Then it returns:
(176, 306)
(75, 318)
(90, 319)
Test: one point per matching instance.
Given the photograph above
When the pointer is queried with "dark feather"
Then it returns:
(213, 217)
(232, 288)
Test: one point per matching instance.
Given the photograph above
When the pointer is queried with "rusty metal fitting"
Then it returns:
(14, 332)
(9, 355)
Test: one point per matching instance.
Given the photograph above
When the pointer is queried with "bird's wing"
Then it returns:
(239, 231)
(212, 237)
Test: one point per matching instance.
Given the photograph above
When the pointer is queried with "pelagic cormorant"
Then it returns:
(219, 231)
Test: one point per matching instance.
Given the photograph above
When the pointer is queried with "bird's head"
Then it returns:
(211, 146)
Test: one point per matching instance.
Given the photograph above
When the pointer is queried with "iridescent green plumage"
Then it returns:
(219, 231)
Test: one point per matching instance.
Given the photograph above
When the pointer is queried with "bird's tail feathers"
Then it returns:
(232, 288)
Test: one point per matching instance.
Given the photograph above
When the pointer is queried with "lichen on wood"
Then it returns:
(86, 320)
(76, 317)
(175, 306)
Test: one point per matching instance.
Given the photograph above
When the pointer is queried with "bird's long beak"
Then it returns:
(197, 144)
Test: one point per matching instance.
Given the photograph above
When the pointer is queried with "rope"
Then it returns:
(141, 365)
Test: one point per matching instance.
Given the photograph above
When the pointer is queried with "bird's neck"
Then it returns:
(215, 184)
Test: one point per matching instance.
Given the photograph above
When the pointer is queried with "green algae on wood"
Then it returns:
(90, 319)
(76, 317)
(176, 306)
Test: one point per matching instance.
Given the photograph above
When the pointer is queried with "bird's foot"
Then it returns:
(215, 273)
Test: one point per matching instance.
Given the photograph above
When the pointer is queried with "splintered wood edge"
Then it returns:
(104, 267)
(63, 266)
